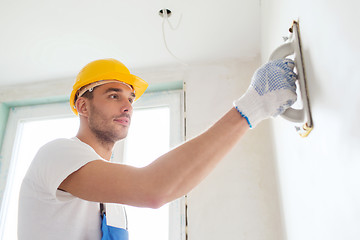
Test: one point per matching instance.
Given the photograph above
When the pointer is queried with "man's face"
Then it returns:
(110, 111)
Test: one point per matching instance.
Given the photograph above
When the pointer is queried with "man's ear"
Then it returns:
(81, 105)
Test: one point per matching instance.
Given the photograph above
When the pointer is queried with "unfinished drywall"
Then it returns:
(319, 175)
(239, 200)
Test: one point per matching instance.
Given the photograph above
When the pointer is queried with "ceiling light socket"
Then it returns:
(168, 12)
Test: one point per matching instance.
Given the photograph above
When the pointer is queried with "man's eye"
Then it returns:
(131, 100)
(114, 96)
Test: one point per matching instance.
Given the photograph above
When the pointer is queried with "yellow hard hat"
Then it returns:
(106, 69)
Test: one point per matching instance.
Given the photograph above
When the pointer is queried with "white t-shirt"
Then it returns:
(48, 213)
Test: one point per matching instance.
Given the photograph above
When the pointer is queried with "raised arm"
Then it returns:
(167, 178)
(177, 172)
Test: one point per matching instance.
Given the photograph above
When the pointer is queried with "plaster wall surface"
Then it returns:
(319, 175)
(239, 200)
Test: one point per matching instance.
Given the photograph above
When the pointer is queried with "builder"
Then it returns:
(68, 178)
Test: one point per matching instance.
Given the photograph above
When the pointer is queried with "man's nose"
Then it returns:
(127, 107)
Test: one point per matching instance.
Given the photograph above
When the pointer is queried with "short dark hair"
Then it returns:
(89, 95)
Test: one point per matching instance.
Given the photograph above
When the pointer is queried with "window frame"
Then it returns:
(174, 99)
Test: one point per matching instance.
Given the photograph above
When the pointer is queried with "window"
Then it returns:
(156, 118)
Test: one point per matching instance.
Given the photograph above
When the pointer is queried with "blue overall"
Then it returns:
(110, 232)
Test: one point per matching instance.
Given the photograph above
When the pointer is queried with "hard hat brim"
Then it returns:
(137, 83)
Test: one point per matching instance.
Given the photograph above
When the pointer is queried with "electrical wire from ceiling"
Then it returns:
(164, 14)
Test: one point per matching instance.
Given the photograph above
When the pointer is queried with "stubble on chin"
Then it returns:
(104, 133)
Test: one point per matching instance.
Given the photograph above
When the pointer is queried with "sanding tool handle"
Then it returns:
(293, 48)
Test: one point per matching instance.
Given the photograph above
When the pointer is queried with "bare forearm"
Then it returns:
(167, 178)
(177, 172)
(181, 169)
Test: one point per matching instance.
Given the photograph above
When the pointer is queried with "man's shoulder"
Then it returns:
(60, 143)
(59, 146)
(66, 147)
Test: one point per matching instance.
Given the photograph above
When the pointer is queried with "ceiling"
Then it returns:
(45, 40)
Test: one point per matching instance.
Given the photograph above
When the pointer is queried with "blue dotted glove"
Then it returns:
(271, 92)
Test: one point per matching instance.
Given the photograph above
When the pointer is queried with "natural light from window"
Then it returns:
(148, 138)
(140, 150)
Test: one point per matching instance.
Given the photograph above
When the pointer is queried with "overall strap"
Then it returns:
(103, 212)
(102, 209)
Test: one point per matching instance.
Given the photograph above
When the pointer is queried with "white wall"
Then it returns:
(320, 175)
(239, 200)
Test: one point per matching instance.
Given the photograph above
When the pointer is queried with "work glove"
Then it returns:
(271, 92)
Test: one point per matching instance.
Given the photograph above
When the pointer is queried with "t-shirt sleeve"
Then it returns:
(58, 159)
